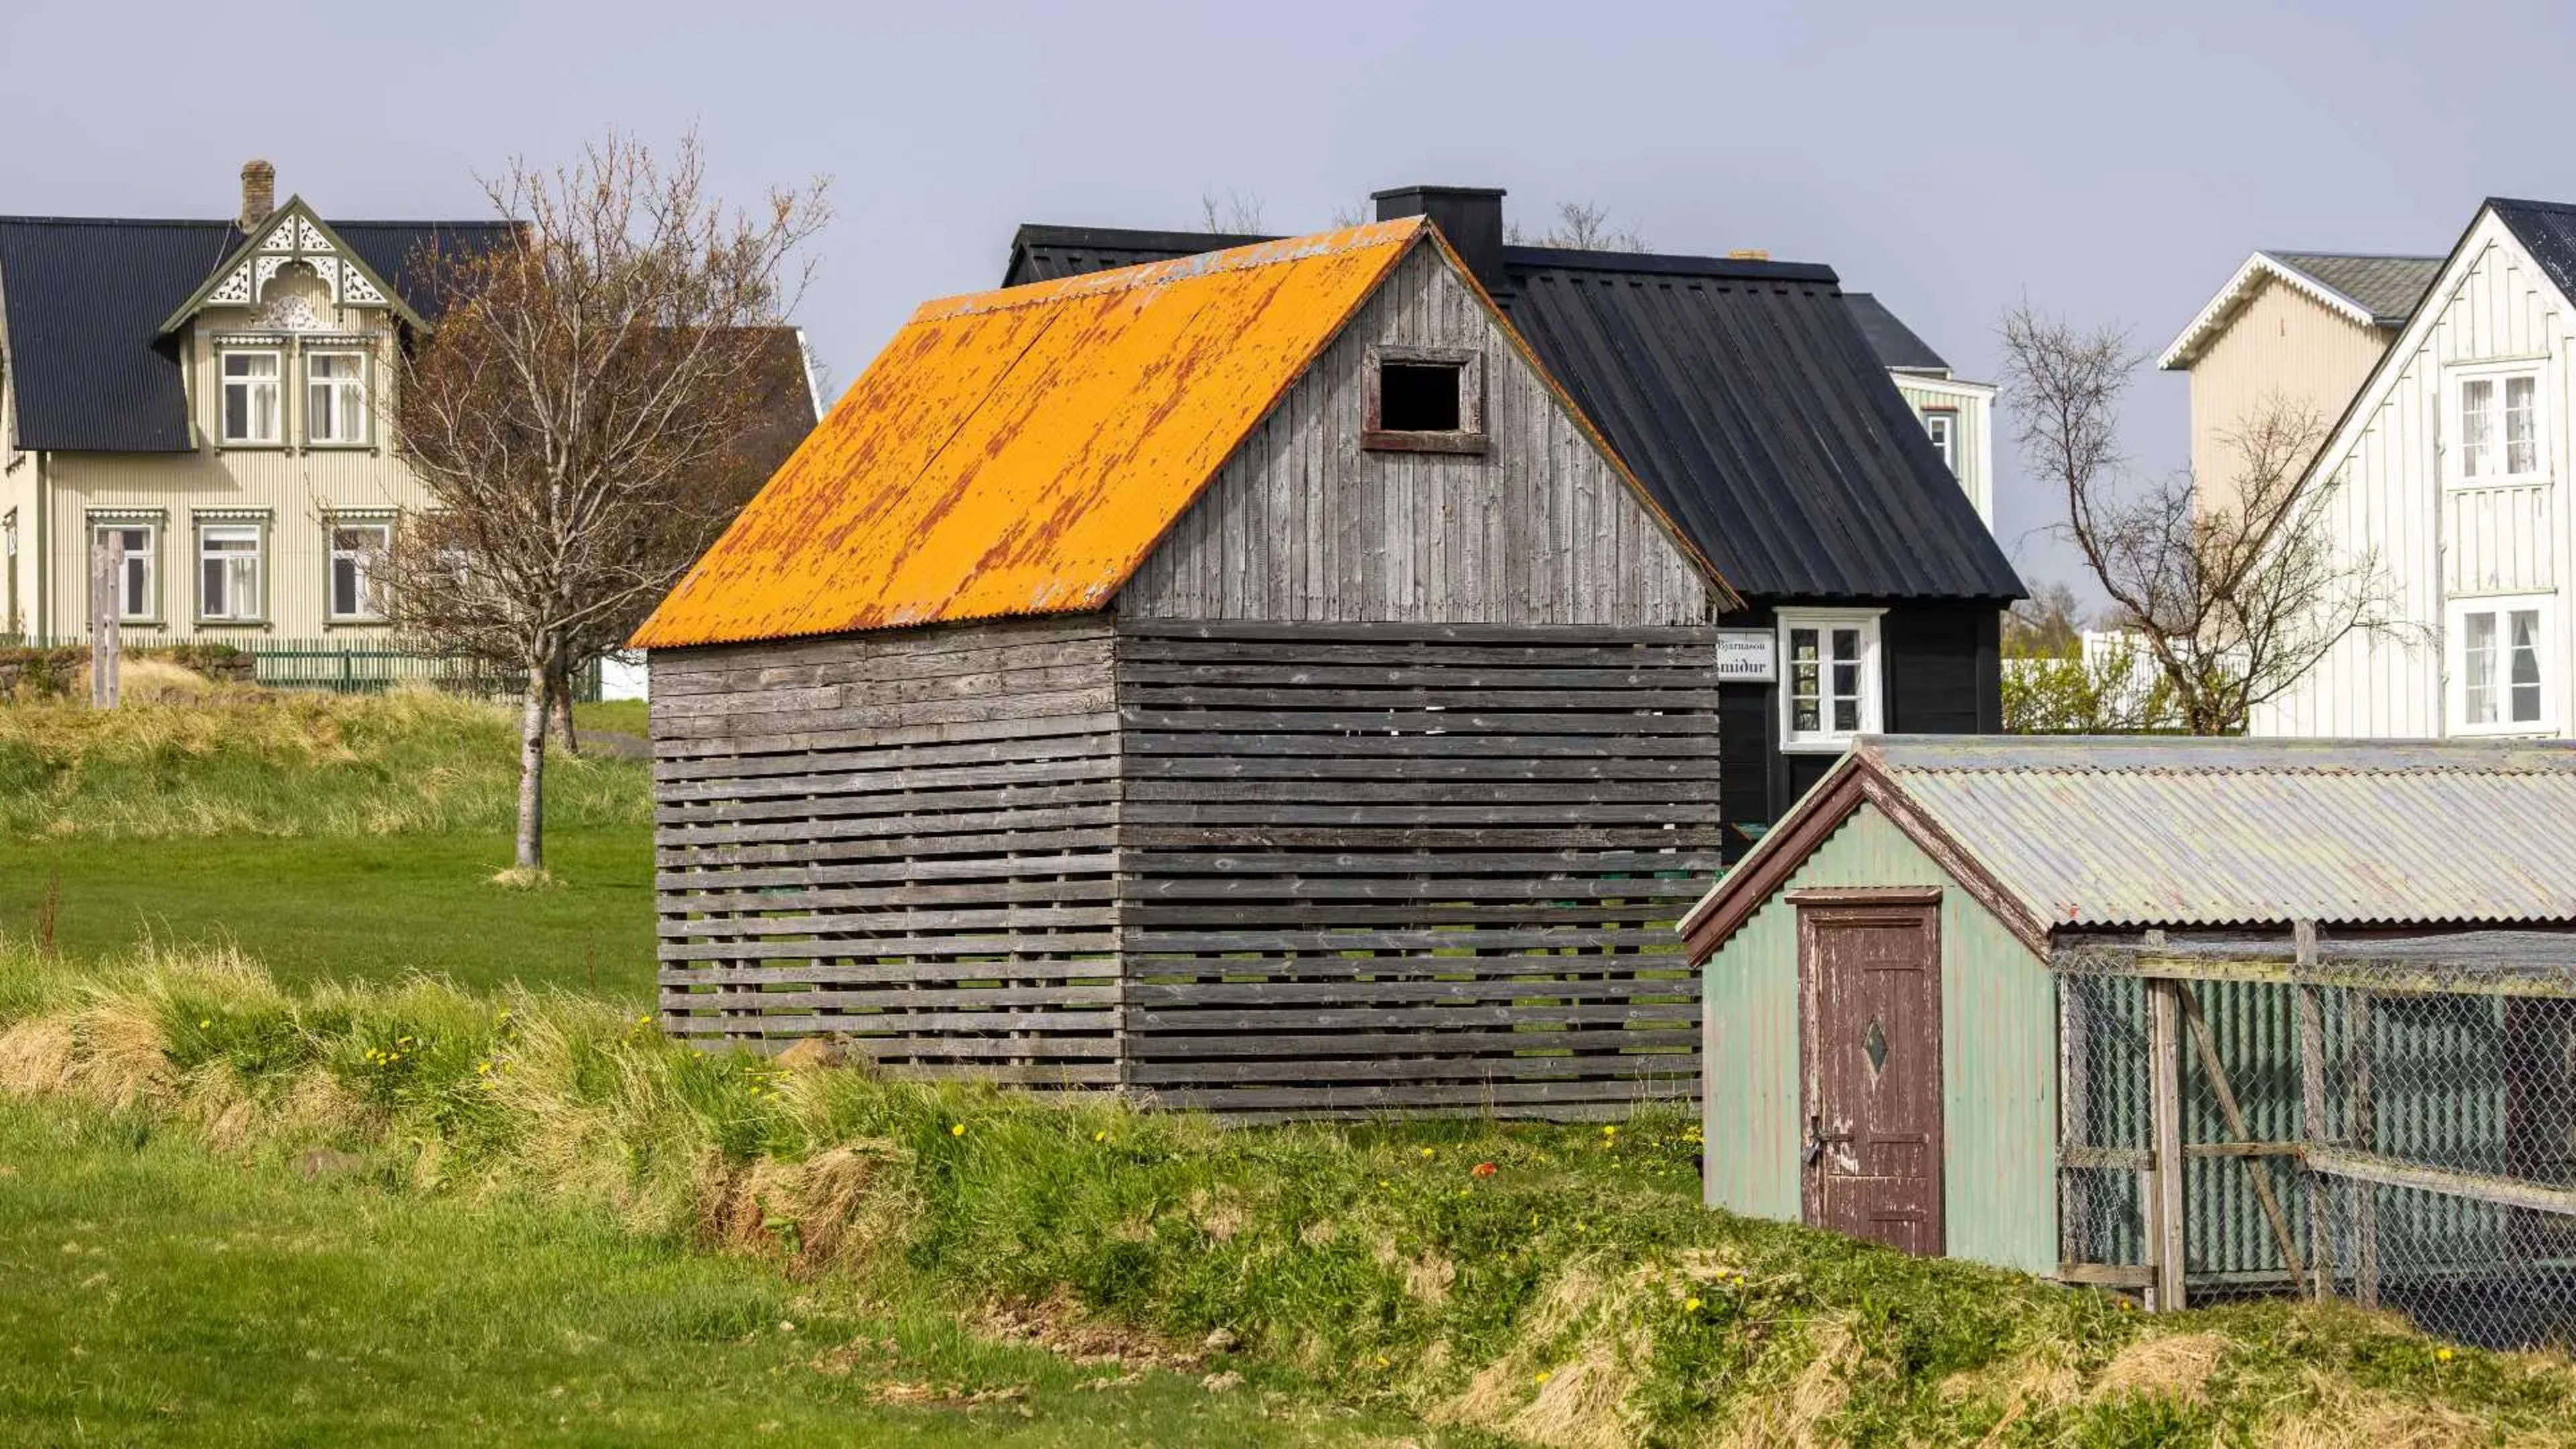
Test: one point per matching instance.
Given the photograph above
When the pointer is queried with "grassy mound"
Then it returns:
(1559, 1285)
(255, 763)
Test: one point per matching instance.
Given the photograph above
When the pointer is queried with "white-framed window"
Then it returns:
(253, 411)
(1942, 426)
(335, 398)
(138, 580)
(2501, 666)
(357, 546)
(1829, 678)
(228, 572)
(2499, 426)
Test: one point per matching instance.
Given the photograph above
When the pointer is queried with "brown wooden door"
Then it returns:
(1869, 968)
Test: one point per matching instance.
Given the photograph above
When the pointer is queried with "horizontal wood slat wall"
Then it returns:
(1372, 867)
(1310, 870)
(905, 841)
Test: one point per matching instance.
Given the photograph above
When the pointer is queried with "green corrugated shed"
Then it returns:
(1998, 1057)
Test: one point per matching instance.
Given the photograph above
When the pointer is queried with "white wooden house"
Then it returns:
(2446, 464)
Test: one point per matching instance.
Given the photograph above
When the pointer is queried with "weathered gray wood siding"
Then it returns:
(1373, 867)
(904, 839)
(1303, 524)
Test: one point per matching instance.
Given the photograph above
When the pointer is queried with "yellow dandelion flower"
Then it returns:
(2443, 1354)
(482, 1069)
(1542, 1376)
(956, 1129)
(1099, 1136)
(1690, 1305)
(204, 1021)
(1381, 1361)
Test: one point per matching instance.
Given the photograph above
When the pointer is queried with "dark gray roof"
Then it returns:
(2546, 229)
(1892, 341)
(1741, 392)
(2387, 287)
(85, 299)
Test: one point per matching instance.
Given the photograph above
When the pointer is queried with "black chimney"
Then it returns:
(1471, 217)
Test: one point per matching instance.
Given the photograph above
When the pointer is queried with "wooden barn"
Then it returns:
(1246, 681)
(1748, 395)
(2195, 1017)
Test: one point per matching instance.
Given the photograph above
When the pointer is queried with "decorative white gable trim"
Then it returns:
(295, 239)
(2259, 268)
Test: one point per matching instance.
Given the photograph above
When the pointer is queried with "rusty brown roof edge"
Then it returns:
(1860, 777)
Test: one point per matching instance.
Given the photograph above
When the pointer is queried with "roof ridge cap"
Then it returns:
(1402, 231)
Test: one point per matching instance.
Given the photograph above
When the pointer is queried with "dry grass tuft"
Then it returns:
(2175, 1366)
(1065, 1328)
(527, 878)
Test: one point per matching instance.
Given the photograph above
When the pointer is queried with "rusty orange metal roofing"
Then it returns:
(1022, 451)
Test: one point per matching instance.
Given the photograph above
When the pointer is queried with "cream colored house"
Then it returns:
(213, 392)
(2446, 462)
(2305, 327)
(1956, 414)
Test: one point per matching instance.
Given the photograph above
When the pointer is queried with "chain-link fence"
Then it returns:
(2391, 1121)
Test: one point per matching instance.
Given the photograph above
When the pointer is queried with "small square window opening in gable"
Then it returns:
(1423, 400)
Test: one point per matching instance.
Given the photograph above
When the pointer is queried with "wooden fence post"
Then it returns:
(106, 613)
(2312, 1109)
(2362, 1135)
(2164, 1109)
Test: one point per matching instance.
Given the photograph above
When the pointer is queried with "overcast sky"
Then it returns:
(1953, 158)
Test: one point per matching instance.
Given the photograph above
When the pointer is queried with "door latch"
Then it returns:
(1818, 1138)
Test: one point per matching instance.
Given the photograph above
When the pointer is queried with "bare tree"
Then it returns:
(2047, 625)
(1236, 215)
(1582, 226)
(581, 416)
(2234, 601)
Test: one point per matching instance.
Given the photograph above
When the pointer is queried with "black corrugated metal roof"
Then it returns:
(1742, 393)
(1891, 341)
(85, 298)
(2546, 229)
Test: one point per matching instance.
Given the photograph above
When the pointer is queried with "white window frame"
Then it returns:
(348, 398)
(2455, 384)
(1945, 438)
(149, 556)
(2455, 665)
(367, 611)
(254, 608)
(1873, 682)
(226, 382)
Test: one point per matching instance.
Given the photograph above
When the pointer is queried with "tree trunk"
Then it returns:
(532, 769)
(563, 706)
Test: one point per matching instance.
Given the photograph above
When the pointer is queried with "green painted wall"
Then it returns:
(1998, 1058)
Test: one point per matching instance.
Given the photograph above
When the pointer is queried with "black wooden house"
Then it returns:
(1745, 396)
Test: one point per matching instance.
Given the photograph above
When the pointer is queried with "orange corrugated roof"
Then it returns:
(1020, 451)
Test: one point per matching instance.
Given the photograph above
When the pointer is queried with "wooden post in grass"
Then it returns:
(2312, 1109)
(2164, 1129)
(106, 600)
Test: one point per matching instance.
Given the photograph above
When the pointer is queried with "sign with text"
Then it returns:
(1744, 656)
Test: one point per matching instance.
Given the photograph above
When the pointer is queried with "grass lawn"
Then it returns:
(153, 1294)
(352, 908)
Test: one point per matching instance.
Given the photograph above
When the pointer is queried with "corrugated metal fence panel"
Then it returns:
(1998, 1046)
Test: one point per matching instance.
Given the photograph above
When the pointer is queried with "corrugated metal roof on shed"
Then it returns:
(1020, 451)
(2206, 832)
